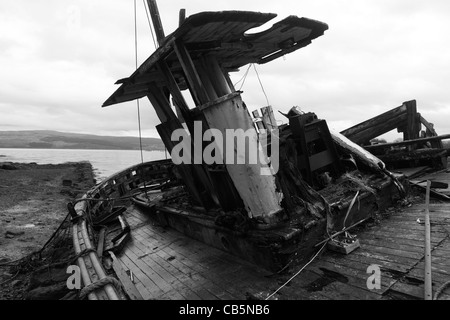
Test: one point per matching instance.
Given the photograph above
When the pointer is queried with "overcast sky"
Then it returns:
(59, 60)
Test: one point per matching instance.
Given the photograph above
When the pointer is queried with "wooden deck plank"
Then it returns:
(169, 273)
(368, 260)
(146, 295)
(396, 252)
(359, 270)
(141, 276)
(353, 278)
(306, 286)
(156, 278)
(412, 236)
(384, 258)
(408, 247)
(128, 285)
(196, 270)
(178, 270)
(414, 226)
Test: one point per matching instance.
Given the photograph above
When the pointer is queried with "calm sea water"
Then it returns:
(104, 162)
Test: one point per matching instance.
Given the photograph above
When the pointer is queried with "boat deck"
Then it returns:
(168, 265)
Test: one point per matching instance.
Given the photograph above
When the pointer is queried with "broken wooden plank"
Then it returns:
(411, 172)
(408, 142)
(376, 126)
(101, 242)
(127, 284)
(430, 132)
(412, 121)
(268, 118)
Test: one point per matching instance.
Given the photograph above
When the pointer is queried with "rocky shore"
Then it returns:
(33, 204)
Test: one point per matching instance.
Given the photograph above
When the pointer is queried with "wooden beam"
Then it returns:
(181, 16)
(197, 88)
(127, 284)
(412, 121)
(174, 90)
(161, 104)
(408, 142)
(156, 19)
(259, 122)
(216, 76)
(101, 242)
(205, 77)
(376, 126)
(268, 118)
(430, 132)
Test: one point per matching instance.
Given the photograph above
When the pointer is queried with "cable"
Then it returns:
(136, 64)
(150, 25)
(243, 77)
(262, 87)
(312, 259)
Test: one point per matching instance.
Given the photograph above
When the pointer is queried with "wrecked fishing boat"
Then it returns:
(270, 220)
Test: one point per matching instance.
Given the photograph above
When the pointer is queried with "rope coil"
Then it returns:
(98, 285)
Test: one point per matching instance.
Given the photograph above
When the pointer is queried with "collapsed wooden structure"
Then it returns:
(265, 218)
(270, 219)
(419, 146)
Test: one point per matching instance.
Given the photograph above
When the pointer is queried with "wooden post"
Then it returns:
(412, 131)
(182, 16)
(430, 132)
(268, 118)
(156, 19)
(428, 283)
(198, 91)
(216, 75)
(259, 122)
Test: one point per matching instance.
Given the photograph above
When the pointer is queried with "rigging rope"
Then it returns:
(150, 25)
(243, 77)
(298, 272)
(262, 87)
(136, 64)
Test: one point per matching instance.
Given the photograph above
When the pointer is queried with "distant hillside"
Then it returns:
(61, 140)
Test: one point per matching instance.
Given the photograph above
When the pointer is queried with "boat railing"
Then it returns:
(118, 187)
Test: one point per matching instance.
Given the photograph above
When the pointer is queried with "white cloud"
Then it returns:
(59, 61)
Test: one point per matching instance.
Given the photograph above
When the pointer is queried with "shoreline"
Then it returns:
(33, 204)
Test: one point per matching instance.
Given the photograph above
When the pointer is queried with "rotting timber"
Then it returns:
(420, 147)
(269, 220)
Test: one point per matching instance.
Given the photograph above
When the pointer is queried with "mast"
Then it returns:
(156, 19)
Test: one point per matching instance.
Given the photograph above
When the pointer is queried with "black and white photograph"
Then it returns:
(224, 158)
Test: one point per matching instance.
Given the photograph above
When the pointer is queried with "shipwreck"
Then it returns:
(269, 220)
